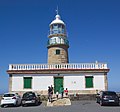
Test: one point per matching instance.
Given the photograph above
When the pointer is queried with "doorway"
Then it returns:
(58, 82)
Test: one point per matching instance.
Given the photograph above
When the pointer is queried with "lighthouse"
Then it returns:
(79, 78)
(58, 43)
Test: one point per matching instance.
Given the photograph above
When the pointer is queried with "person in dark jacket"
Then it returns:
(49, 94)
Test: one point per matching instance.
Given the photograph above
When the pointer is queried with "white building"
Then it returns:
(80, 78)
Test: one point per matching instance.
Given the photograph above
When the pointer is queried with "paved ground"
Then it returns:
(77, 106)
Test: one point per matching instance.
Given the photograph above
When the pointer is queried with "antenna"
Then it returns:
(57, 10)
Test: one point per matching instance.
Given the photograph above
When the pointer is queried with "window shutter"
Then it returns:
(27, 82)
(89, 82)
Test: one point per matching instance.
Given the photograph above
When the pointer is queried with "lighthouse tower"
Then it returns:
(57, 44)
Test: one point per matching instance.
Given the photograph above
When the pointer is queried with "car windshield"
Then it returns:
(26, 95)
(109, 93)
(9, 95)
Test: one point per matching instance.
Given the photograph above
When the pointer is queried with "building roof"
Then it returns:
(57, 20)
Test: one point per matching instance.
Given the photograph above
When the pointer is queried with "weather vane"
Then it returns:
(57, 10)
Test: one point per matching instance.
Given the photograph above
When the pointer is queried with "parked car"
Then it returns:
(107, 97)
(10, 99)
(30, 98)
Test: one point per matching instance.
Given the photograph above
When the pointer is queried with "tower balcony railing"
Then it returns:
(55, 42)
(58, 66)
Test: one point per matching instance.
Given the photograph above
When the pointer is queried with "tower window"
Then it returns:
(57, 52)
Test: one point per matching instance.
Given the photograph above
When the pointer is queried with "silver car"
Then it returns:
(10, 99)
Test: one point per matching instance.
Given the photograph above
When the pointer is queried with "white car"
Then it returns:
(10, 99)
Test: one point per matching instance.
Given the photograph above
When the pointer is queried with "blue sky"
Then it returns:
(93, 28)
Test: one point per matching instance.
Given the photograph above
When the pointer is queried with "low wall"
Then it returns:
(71, 92)
(82, 97)
(74, 97)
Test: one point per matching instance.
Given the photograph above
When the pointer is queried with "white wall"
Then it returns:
(74, 82)
(71, 81)
(38, 82)
(99, 82)
(42, 82)
(17, 83)
(78, 82)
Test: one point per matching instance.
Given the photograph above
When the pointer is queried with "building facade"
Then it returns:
(79, 78)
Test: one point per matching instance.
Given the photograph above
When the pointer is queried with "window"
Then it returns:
(55, 26)
(27, 82)
(9, 95)
(57, 52)
(89, 81)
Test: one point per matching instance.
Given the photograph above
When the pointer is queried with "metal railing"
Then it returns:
(65, 42)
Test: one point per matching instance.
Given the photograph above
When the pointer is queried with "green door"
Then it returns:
(58, 82)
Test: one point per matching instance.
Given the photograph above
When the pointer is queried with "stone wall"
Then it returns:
(82, 97)
(56, 59)
(71, 92)
(72, 96)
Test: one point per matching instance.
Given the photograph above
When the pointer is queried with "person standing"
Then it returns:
(51, 91)
(49, 94)
(57, 93)
(61, 91)
(66, 92)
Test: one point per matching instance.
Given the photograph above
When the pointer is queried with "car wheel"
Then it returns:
(118, 104)
(23, 105)
(36, 103)
(2, 106)
(16, 105)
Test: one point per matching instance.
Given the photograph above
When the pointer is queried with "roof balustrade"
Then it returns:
(58, 66)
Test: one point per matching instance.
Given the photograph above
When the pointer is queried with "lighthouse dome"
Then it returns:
(57, 20)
